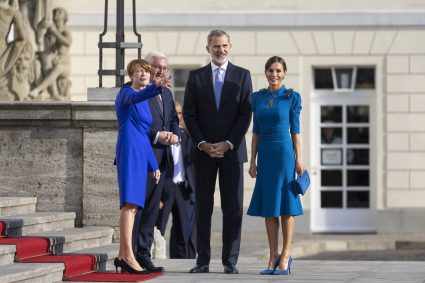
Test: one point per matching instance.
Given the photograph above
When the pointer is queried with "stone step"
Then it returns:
(7, 254)
(70, 240)
(106, 255)
(25, 224)
(17, 205)
(32, 272)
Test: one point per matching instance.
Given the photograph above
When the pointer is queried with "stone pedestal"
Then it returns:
(102, 93)
(63, 154)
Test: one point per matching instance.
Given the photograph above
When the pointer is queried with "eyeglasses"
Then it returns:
(159, 68)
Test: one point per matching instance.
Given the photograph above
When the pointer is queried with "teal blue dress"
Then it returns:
(274, 194)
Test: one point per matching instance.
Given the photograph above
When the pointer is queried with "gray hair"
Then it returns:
(152, 56)
(217, 32)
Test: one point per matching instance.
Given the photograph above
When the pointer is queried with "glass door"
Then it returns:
(343, 190)
(342, 150)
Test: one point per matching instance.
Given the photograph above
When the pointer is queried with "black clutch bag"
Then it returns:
(302, 183)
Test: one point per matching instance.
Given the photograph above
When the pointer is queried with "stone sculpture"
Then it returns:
(55, 59)
(34, 51)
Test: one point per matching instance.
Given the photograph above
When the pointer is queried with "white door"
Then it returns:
(342, 147)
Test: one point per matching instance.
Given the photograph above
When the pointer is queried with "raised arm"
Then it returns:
(131, 97)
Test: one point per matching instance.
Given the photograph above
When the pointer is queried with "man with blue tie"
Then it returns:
(217, 112)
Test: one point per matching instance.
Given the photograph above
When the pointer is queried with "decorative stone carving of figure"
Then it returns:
(55, 59)
(37, 17)
(15, 56)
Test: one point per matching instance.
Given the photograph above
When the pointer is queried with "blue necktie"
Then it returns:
(218, 85)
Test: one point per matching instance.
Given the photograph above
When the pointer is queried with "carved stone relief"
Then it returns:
(34, 51)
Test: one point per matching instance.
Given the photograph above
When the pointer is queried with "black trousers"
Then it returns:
(180, 202)
(230, 175)
(145, 218)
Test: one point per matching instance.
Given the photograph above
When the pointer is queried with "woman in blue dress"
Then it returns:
(134, 155)
(276, 140)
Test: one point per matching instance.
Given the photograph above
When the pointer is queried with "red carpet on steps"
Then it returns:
(113, 277)
(74, 264)
(2, 228)
(78, 267)
(28, 246)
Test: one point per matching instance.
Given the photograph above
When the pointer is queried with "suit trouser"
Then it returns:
(230, 175)
(181, 203)
(146, 218)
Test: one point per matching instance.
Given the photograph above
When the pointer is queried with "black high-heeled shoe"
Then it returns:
(117, 262)
(127, 268)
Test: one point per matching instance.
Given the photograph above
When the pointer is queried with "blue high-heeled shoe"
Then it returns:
(270, 271)
(286, 271)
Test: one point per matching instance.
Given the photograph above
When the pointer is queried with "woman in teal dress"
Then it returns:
(276, 140)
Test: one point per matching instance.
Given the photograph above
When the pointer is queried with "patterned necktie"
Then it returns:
(159, 100)
(218, 85)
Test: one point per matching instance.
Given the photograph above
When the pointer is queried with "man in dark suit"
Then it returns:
(178, 198)
(164, 132)
(217, 112)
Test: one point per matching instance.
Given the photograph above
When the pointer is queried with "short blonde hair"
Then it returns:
(132, 65)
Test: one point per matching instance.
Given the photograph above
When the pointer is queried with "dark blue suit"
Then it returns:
(205, 123)
(145, 220)
(179, 199)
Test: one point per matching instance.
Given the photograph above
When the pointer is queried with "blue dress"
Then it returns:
(274, 194)
(134, 154)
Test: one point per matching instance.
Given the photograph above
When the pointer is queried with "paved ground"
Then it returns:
(392, 255)
(321, 258)
(302, 271)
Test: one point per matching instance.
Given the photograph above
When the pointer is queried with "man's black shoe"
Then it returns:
(231, 269)
(200, 269)
(147, 264)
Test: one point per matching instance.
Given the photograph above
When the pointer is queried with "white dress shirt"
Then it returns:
(179, 173)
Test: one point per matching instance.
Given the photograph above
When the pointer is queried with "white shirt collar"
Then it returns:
(224, 66)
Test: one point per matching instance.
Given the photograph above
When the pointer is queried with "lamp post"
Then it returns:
(119, 45)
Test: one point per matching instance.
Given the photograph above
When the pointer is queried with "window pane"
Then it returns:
(358, 199)
(180, 77)
(344, 77)
(330, 199)
(331, 156)
(331, 114)
(365, 78)
(358, 178)
(357, 156)
(323, 79)
(358, 114)
(331, 178)
(331, 135)
(358, 135)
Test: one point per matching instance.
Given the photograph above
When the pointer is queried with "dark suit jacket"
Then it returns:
(187, 160)
(167, 121)
(188, 165)
(231, 121)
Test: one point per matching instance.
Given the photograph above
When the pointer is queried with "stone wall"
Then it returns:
(61, 153)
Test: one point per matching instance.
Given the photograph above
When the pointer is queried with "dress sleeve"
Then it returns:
(294, 114)
(133, 97)
(256, 126)
(152, 163)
